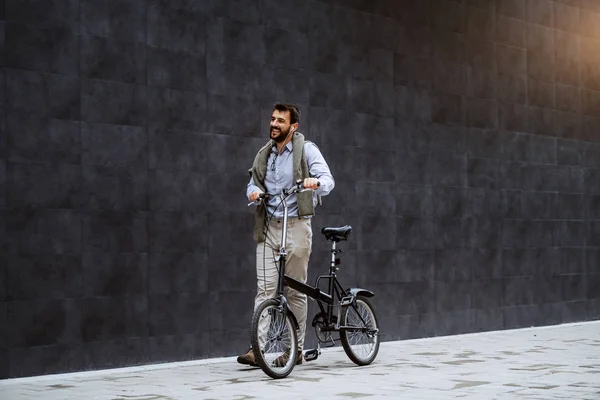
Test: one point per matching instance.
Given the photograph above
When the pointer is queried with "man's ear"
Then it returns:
(294, 127)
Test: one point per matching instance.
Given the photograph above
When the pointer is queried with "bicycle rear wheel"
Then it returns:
(274, 339)
(362, 344)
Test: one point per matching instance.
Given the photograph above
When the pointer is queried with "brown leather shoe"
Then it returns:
(248, 358)
(283, 359)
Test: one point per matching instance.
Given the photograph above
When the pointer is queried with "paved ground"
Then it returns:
(559, 362)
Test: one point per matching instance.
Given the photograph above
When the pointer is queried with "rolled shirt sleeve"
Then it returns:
(318, 168)
(251, 188)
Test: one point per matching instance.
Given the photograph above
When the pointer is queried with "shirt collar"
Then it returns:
(288, 146)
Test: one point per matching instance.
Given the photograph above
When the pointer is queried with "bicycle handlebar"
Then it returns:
(298, 186)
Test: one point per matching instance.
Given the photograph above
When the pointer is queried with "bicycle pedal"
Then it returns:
(311, 355)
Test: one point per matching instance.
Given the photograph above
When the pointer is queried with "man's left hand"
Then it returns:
(311, 183)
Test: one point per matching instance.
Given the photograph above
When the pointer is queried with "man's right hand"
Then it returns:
(254, 195)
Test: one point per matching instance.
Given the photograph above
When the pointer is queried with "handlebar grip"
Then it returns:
(260, 198)
(300, 183)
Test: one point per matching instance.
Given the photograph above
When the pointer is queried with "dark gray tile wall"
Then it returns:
(464, 137)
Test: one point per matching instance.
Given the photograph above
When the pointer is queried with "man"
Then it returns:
(286, 158)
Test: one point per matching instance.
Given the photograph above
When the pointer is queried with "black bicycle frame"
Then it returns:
(313, 292)
(335, 288)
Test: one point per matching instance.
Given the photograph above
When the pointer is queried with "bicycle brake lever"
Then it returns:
(259, 200)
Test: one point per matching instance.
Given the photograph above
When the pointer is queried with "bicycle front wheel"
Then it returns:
(360, 336)
(274, 339)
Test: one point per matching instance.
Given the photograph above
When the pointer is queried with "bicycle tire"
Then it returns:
(360, 347)
(279, 347)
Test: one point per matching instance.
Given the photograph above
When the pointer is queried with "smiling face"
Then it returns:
(281, 126)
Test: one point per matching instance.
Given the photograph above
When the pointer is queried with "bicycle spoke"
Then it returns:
(277, 342)
(360, 339)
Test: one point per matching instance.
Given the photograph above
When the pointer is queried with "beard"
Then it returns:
(279, 136)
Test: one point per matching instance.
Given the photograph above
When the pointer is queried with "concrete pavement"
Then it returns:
(557, 362)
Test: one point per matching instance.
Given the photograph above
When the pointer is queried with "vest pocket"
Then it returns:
(305, 203)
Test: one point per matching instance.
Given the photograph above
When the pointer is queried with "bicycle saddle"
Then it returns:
(337, 234)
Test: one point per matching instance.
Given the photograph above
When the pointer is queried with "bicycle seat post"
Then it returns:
(332, 267)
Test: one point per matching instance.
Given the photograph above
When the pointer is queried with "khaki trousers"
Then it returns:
(299, 246)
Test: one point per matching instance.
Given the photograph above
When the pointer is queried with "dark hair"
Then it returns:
(293, 110)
